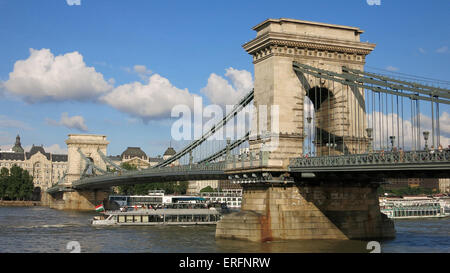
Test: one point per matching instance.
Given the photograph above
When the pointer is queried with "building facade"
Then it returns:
(138, 158)
(135, 156)
(46, 168)
(444, 185)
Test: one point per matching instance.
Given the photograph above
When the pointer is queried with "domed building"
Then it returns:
(169, 153)
(17, 146)
(135, 156)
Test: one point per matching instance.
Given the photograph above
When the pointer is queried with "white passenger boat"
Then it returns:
(151, 217)
(398, 211)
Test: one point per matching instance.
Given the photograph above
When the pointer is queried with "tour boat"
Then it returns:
(165, 216)
(417, 211)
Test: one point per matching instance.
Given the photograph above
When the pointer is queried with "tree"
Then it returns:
(207, 189)
(26, 187)
(127, 189)
(4, 174)
(16, 184)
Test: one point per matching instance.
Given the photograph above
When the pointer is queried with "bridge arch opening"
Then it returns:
(320, 125)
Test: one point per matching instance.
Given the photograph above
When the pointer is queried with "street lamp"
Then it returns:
(392, 138)
(426, 134)
(331, 146)
(309, 119)
(369, 135)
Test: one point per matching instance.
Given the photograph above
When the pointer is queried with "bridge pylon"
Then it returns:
(81, 149)
(276, 205)
(338, 113)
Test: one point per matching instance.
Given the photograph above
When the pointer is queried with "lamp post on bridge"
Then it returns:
(392, 138)
(369, 143)
(309, 119)
(331, 145)
(426, 134)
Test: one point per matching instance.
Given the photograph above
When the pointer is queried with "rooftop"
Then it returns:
(170, 151)
(133, 152)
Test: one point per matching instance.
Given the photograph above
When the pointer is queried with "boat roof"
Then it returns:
(165, 211)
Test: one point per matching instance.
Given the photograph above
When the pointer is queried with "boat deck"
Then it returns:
(165, 211)
(160, 217)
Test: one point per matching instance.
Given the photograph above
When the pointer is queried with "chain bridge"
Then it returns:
(311, 167)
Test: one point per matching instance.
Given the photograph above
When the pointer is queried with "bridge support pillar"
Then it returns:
(314, 211)
(77, 200)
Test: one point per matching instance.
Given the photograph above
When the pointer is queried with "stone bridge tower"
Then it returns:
(72, 199)
(89, 146)
(301, 208)
(339, 112)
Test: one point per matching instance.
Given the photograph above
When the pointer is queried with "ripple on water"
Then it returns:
(40, 229)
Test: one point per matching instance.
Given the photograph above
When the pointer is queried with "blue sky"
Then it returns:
(182, 44)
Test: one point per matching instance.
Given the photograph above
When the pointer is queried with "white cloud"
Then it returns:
(444, 123)
(421, 50)
(220, 91)
(443, 49)
(44, 77)
(389, 121)
(152, 100)
(142, 71)
(392, 68)
(6, 122)
(55, 149)
(73, 2)
(75, 122)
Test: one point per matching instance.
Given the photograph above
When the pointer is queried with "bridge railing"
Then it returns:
(375, 158)
(217, 166)
(248, 160)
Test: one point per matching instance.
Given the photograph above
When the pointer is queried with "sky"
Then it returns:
(117, 68)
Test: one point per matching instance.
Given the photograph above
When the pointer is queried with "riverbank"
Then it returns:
(4, 203)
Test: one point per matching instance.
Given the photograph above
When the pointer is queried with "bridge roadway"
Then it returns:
(211, 171)
(422, 164)
(411, 164)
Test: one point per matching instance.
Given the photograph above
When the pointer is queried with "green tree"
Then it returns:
(4, 174)
(16, 184)
(207, 189)
(26, 187)
(127, 189)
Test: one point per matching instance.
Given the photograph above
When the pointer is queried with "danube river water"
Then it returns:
(40, 229)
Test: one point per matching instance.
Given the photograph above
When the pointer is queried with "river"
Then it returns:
(44, 230)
